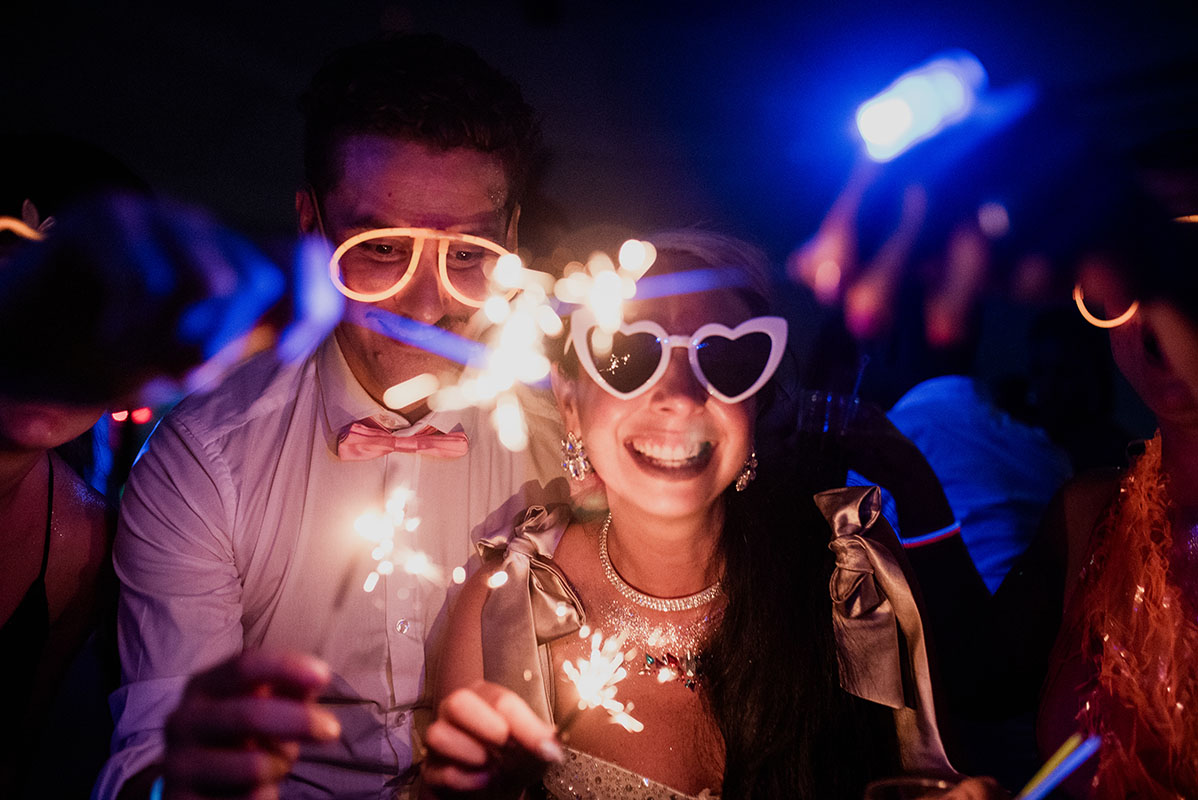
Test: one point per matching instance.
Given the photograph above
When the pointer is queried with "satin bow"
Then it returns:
(872, 609)
(366, 439)
(536, 606)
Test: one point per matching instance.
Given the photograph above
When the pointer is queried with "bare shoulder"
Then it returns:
(577, 552)
(82, 533)
(1084, 499)
(80, 543)
(1078, 508)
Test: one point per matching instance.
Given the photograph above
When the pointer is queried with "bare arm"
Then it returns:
(486, 741)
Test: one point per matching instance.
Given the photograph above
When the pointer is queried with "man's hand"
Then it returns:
(238, 728)
(486, 742)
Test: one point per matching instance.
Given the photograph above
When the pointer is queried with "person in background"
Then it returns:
(79, 299)
(1122, 665)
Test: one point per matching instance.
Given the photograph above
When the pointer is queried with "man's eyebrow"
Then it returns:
(485, 223)
(368, 222)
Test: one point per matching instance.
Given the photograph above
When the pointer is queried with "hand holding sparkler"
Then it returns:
(488, 742)
(239, 725)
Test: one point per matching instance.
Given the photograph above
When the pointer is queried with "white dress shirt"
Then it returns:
(237, 530)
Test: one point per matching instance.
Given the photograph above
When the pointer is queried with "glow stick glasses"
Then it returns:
(377, 264)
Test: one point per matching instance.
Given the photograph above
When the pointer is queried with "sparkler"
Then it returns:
(596, 677)
(383, 530)
(519, 325)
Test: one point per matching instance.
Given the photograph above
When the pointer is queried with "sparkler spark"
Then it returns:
(383, 529)
(522, 314)
(596, 677)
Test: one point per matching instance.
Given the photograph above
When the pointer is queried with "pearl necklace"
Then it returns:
(647, 600)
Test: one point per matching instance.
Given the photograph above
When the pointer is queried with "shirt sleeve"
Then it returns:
(180, 605)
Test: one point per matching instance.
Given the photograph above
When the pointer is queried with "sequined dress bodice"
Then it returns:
(582, 776)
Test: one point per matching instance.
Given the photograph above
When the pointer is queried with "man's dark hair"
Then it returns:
(422, 88)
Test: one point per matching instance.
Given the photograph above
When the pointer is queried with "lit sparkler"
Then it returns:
(596, 677)
(384, 529)
(521, 322)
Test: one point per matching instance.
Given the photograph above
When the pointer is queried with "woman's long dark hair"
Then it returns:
(770, 669)
(772, 679)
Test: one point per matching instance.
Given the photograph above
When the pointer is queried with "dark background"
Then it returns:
(732, 115)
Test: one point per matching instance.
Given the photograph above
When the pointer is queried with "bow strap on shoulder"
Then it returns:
(535, 606)
(879, 633)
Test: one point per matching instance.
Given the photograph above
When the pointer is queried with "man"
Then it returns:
(237, 545)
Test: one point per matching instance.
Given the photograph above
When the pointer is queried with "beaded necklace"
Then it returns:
(669, 650)
(647, 600)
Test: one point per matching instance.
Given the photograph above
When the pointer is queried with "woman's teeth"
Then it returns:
(670, 454)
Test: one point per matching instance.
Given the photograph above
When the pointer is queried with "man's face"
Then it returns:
(386, 182)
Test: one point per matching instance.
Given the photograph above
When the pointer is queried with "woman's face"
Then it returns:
(42, 425)
(1157, 351)
(672, 450)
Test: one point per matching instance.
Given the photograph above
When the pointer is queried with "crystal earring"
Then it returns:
(574, 457)
(748, 472)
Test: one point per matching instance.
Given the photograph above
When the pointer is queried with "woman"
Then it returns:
(1122, 666)
(54, 545)
(714, 569)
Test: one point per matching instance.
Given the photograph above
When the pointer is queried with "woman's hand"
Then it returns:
(977, 789)
(486, 742)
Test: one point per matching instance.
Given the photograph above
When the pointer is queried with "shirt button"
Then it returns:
(402, 626)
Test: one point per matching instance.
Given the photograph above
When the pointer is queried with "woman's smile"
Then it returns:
(671, 458)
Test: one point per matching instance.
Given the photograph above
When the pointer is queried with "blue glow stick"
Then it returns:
(427, 337)
(695, 280)
(1063, 770)
(919, 104)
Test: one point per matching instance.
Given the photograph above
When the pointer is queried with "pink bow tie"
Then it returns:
(365, 439)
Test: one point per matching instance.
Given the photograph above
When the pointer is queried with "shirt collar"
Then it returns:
(345, 401)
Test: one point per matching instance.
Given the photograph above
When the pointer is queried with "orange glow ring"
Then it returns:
(391, 291)
(1080, 299)
(422, 235)
(20, 229)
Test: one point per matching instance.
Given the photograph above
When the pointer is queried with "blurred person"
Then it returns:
(713, 567)
(78, 301)
(236, 549)
(1122, 663)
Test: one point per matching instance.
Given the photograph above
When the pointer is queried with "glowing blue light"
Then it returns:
(920, 104)
(695, 280)
(409, 331)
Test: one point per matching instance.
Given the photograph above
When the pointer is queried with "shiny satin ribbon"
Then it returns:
(872, 606)
(535, 606)
(366, 439)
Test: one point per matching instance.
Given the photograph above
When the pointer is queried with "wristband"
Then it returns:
(931, 538)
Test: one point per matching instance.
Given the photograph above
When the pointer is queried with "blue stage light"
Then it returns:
(919, 104)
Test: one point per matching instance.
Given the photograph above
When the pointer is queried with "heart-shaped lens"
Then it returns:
(732, 366)
(629, 362)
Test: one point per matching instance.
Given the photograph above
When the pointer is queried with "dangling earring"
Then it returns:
(748, 472)
(574, 457)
